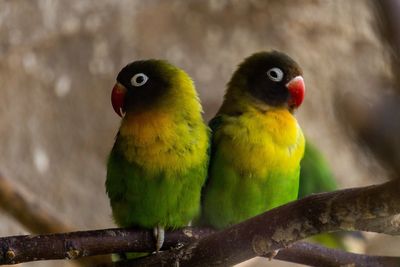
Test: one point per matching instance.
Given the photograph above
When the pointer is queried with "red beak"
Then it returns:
(297, 90)
(118, 99)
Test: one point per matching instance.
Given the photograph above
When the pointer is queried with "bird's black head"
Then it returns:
(142, 83)
(272, 78)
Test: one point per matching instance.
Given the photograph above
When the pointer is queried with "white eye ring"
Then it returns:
(275, 74)
(139, 79)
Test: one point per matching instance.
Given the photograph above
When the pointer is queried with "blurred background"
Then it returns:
(59, 60)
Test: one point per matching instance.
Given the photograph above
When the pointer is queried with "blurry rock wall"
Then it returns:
(59, 60)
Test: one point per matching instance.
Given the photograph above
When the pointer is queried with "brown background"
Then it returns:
(59, 59)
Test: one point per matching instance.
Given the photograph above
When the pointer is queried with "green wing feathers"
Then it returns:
(233, 198)
(144, 199)
(240, 185)
(315, 175)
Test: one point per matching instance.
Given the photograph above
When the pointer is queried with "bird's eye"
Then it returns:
(275, 74)
(139, 79)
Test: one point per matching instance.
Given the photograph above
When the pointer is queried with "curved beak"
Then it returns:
(118, 99)
(297, 90)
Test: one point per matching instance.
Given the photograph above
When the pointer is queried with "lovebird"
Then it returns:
(159, 160)
(257, 143)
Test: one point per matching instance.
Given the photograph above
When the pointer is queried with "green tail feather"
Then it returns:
(315, 177)
(315, 173)
(128, 256)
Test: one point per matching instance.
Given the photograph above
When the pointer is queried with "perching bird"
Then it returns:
(159, 160)
(257, 143)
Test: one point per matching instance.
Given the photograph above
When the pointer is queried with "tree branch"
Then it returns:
(315, 255)
(28, 211)
(390, 225)
(282, 226)
(25, 248)
(22, 206)
(278, 228)
(301, 253)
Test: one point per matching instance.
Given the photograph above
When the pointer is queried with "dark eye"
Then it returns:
(139, 79)
(275, 74)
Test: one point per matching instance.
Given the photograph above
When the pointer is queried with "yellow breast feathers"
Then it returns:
(270, 140)
(157, 140)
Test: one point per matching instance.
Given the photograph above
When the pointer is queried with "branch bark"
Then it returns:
(275, 229)
(280, 227)
(315, 255)
(28, 211)
(73, 245)
(390, 225)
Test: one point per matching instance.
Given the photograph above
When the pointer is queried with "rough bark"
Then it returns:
(276, 229)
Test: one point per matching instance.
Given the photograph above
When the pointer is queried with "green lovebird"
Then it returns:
(159, 160)
(257, 143)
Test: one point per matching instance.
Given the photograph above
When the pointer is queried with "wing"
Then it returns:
(315, 174)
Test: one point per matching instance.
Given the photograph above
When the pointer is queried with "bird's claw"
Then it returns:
(272, 254)
(159, 235)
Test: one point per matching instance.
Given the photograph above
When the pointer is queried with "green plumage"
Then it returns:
(159, 160)
(233, 195)
(315, 175)
(144, 199)
(256, 143)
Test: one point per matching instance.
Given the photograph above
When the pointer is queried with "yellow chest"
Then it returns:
(258, 143)
(146, 128)
(158, 141)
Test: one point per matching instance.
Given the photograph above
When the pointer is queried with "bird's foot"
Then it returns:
(159, 234)
(178, 246)
(272, 254)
